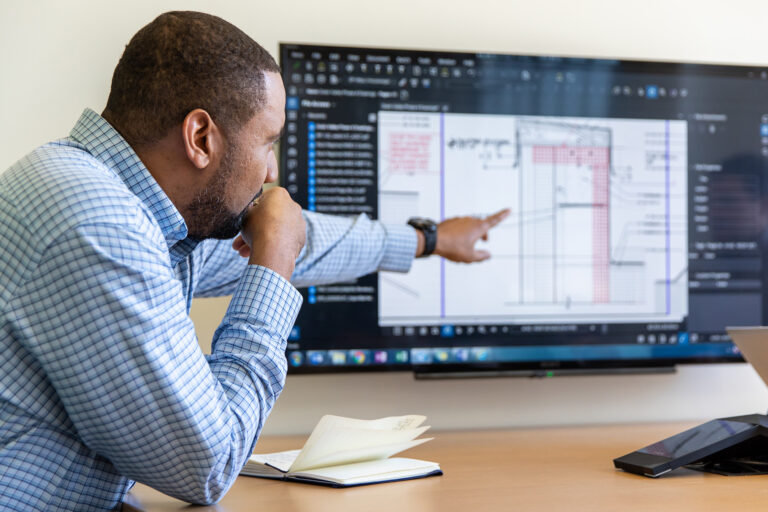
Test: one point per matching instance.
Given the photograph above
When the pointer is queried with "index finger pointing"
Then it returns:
(497, 217)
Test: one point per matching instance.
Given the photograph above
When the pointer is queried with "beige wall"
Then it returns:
(57, 58)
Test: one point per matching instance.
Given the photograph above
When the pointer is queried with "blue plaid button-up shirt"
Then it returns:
(102, 381)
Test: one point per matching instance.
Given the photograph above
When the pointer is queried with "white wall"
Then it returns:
(57, 58)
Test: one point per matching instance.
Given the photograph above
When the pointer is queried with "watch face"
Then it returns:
(429, 230)
(422, 223)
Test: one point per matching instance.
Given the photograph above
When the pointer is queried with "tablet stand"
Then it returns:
(748, 457)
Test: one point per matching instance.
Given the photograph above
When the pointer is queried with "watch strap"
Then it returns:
(429, 229)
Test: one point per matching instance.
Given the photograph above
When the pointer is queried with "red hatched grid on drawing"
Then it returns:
(409, 153)
(571, 155)
(601, 270)
(597, 159)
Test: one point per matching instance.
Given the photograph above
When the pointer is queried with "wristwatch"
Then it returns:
(429, 229)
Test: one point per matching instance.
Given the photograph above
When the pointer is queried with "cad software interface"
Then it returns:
(635, 192)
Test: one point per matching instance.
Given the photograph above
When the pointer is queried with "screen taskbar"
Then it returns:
(404, 358)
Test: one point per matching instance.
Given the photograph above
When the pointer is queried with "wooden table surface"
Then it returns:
(563, 468)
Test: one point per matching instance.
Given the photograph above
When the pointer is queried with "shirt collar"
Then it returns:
(108, 146)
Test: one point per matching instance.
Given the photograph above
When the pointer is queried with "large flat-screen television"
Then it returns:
(637, 195)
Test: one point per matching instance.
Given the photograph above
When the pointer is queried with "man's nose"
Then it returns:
(271, 170)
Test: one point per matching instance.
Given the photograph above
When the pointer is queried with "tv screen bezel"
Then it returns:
(542, 368)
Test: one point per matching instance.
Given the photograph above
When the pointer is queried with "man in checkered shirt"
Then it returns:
(108, 234)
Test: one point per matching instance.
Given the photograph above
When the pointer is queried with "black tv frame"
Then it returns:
(543, 368)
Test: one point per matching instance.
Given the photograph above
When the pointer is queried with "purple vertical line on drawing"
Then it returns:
(521, 210)
(442, 209)
(666, 195)
(554, 230)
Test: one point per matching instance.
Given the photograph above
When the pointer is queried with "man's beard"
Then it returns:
(207, 214)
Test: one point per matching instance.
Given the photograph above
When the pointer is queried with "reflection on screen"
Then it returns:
(696, 438)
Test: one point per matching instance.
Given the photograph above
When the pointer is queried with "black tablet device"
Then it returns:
(737, 445)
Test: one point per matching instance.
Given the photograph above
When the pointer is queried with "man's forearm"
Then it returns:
(343, 248)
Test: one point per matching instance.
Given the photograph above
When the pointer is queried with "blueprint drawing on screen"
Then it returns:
(598, 224)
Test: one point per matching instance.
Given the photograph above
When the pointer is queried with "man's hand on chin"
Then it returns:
(273, 233)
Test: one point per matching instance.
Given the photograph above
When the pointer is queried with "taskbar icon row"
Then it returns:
(353, 357)
(446, 330)
(393, 357)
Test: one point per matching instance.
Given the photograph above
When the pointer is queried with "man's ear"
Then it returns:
(203, 141)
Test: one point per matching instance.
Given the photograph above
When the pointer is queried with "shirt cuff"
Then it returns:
(399, 248)
(264, 298)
